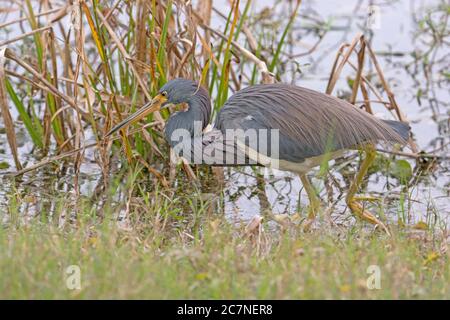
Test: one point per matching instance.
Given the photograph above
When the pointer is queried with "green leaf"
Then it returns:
(350, 82)
(401, 169)
(421, 226)
(35, 132)
(4, 165)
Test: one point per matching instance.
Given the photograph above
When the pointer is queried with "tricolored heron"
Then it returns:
(312, 127)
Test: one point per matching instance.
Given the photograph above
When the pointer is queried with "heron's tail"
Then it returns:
(402, 128)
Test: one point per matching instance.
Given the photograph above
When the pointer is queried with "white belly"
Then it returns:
(297, 167)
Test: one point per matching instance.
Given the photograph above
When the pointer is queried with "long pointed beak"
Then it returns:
(152, 106)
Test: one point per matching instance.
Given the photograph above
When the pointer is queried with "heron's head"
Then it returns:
(178, 90)
(173, 92)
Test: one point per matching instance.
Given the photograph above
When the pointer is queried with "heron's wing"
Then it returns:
(310, 123)
(212, 148)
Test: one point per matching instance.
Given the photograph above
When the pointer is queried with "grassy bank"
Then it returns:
(165, 256)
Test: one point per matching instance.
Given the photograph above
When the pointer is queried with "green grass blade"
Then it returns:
(242, 19)
(276, 56)
(35, 133)
(222, 95)
(163, 40)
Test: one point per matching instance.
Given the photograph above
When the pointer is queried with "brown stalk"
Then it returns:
(53, 59)
(390, 95)
(359, 71)
(3, 25)
(365, 94)
(204, 10)
(252, 43)
(6, 115)
(339, 53)
(360, 80)
(334, 76)
(153, 171)
(267, 76)
(111, 11)
(79, 134)
(186, 56)
(385, 84)
(141, 39)
(70, 153)
(207, 48)
(30, 80)
(10, 55)
(9, 41)
(371, 87)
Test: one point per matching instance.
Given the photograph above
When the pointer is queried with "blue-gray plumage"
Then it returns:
(310, 123)
(197, 98)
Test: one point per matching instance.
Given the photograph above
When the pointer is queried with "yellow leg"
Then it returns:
(367, 198)
(352, 201)
(314, 201)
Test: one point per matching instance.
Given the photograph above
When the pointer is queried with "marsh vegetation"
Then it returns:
(140, 226)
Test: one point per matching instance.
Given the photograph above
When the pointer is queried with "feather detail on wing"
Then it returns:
(212, 148)
(310, 123)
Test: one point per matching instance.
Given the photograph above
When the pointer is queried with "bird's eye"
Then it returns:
(164, 93)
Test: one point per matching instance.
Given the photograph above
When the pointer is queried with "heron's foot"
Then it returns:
(313, 210)
(359, 211)
(306, 224)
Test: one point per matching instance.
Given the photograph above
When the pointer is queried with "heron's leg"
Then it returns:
(314, 201)
(367, 198)
(352, 201)
(262, 195)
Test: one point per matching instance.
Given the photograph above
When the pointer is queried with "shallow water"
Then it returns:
(394, 38)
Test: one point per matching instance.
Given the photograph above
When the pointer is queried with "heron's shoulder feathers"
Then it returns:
(315, 120)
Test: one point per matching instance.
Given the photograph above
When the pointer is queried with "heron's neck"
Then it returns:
(200, 106)
(193, 120)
